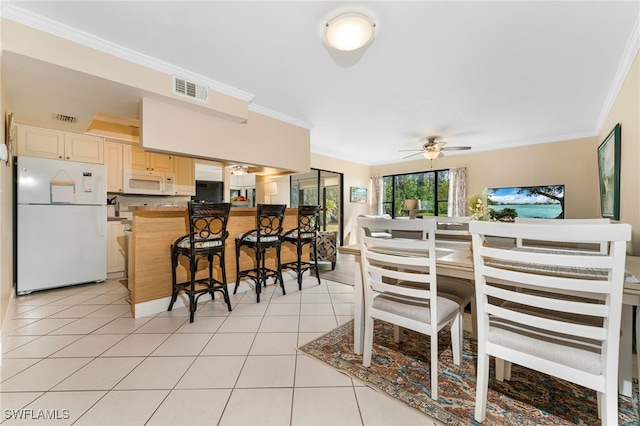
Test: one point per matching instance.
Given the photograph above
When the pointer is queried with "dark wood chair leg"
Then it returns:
(315, 260)
(235, 289)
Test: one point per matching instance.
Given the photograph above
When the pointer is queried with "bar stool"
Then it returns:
(206, 240)
(305, 234)
(266, 235)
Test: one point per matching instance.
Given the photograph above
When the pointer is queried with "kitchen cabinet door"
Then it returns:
(113, 153)
(116, 247)
(46, 143)
(83, 148)
(36, 142)
(185, 171)
(160, 162)
(136, 158)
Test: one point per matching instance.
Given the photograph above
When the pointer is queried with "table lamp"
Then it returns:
(411, 206)
(271, 189)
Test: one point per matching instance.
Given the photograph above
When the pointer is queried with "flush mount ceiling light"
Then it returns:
(349, 31)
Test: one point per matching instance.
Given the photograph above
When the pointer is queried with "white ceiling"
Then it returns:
(485, 74)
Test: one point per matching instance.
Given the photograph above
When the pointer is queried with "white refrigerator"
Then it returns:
(61, 221)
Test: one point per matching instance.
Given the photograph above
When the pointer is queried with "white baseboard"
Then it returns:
(154, 307)
(115, 275)
(5, 321)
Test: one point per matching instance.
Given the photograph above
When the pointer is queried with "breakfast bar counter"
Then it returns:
(154, 228)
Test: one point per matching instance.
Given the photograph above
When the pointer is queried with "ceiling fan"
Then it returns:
(432, 149)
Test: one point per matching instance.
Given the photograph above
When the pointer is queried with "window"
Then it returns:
(323, 188)
(431, 188)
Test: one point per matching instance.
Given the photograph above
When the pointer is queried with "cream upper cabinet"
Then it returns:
(45, 143)
(135, 158)
(185, 170)
(84, 148)
(138, 159)
(113, 162)
(36, 142)
(161, 162)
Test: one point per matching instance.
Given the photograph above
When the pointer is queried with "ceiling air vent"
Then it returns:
(66, 118)
(190, 89)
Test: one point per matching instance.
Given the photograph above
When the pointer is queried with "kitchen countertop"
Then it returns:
(157, 208)
(180, 208)
(120, 219)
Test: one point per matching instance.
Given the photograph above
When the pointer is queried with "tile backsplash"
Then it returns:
(124, 203)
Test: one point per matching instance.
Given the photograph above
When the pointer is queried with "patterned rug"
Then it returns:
(402, 371)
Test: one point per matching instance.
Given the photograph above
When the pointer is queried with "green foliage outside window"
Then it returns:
(431, 188)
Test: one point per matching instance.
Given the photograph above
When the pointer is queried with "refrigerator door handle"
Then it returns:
(103, 221)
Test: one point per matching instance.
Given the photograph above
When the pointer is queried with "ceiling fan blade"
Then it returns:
(409, 150)
(411, 155)
(455, 148)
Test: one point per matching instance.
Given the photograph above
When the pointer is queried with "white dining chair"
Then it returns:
(401, 287)
(554, 311)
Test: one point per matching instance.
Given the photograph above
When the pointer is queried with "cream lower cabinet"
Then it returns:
(185, 171)
(46, 143)
(116, 247)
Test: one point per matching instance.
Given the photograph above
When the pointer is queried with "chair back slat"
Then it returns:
(597, 246)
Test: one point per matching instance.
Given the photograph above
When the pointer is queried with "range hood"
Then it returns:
(115, 127)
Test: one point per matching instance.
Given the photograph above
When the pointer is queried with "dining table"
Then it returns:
(455, 259)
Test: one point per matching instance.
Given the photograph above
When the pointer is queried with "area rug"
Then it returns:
(402, 371)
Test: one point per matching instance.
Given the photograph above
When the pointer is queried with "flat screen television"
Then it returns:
(526, 201)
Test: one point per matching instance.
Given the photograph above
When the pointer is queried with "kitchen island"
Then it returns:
(154, 228)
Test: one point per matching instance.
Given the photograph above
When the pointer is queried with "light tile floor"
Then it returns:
(75, 354)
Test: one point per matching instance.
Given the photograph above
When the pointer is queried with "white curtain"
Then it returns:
(457, 192)
(376, 195)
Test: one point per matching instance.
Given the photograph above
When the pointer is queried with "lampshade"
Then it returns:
(411, 205)
(431, 155)
(349, 31)
(271, 188)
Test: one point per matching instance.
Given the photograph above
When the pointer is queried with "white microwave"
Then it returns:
(144, 182)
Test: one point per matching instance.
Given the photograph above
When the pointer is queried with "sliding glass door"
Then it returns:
(323, 188)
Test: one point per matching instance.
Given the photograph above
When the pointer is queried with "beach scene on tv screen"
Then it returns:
(526, 201)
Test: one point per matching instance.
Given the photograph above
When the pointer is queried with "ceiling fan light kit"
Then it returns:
(349, 31)
(432, 149)
(239, 170)
(431, 154)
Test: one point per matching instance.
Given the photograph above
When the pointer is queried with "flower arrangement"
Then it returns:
(478, 206)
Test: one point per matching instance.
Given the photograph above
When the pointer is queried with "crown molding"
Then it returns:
(280, 116)
(66, 32)
(630, 52)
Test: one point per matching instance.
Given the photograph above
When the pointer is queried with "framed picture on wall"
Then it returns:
(358, 195)
(609, 174)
